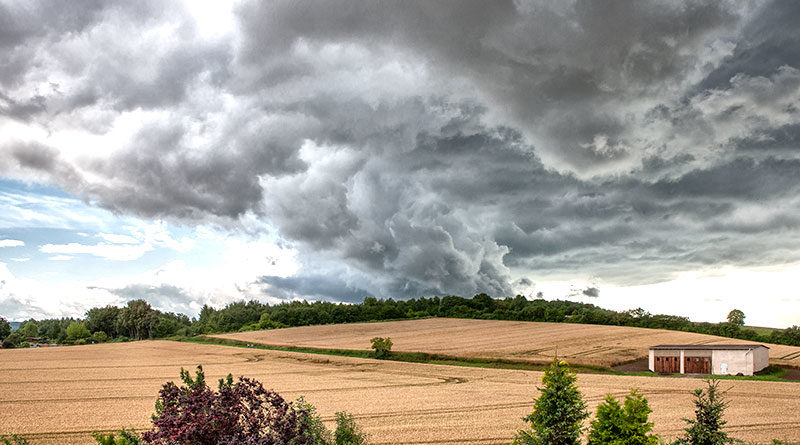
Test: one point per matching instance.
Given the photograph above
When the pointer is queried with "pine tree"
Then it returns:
(558, 413)
(706, 427)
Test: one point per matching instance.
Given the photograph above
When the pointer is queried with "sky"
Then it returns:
(620, 153)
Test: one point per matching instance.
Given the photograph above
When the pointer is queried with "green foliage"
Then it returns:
(29, 329)
(12, 340)
(736, 317)
(5, 328)
(103, 319)
(137, 319)
(618, 425)
(77, 330)
(382, 347)
(706, 427)
(558, 413)
(125, 438)
(99, 337)
(347, 431)
(13, 439)
(310, 419)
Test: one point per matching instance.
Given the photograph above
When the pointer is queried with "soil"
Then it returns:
(637, 366)
(792, 374)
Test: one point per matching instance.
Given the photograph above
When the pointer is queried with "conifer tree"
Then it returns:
(558, 413)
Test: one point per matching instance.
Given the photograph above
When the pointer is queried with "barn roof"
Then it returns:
(725, 347)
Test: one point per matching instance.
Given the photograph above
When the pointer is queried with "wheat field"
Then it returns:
(516, 340)
(59, 395)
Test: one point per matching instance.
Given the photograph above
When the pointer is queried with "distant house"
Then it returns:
(742, 359)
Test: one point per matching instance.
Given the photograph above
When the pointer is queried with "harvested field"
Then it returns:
(59, 395)
(515, 340)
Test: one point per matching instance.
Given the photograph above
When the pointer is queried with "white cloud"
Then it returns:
(102, 250)
(20, 260)
(118, 239)
(11, 243)
(60, 258)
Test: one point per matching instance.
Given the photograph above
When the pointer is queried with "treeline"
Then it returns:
(252, 315)
(138, 320)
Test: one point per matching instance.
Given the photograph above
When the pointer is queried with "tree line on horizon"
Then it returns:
(138, 320)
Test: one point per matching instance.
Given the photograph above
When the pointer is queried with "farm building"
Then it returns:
(743, 359)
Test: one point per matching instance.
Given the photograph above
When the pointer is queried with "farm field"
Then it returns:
(59, 395)
(515, 340)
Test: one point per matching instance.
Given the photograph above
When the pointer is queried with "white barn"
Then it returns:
(741, 359)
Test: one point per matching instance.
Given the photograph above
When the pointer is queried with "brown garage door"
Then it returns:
(667, 364)
(697, 365)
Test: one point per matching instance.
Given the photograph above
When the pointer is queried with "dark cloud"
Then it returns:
(769, 41)
(164, 297)
(591, 292)
(319, 287)
(428, 147)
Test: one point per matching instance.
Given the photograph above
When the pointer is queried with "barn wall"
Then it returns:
(698, 353)
(652, 361)
(736, 360)
(760, 359)
(668, 352)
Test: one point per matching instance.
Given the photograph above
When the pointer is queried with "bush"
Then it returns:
(125, 438)
(99, 337)
(238, 413)
(559, 411)
(618, 425)
(311, 420)
(347, 431)
(382, 347)
(706, 427)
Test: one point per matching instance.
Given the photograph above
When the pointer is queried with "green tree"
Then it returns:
(77, 331)
(736, 318)
(12, 340)
(103, 319)
(558, 413)
(5, 328)
(382, 347)
(137, 319)
(29, 329)
(623, 425)
(706, 427)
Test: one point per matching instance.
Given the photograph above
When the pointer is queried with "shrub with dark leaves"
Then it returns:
(238, 413)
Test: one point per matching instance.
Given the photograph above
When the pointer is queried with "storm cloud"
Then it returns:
(422, 148)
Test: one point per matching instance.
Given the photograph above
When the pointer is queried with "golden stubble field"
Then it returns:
(516, 340)
(60, 395)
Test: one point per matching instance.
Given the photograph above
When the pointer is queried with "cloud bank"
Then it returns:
(418, 148)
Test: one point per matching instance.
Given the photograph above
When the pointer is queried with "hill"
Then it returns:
(585, 344)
